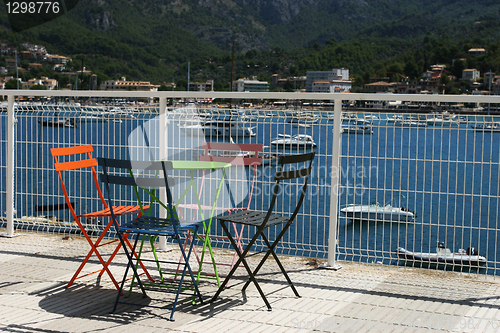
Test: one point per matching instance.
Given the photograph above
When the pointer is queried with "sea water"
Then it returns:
(448, 176)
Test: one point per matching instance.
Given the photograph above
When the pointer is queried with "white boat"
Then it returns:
(442, 120)
(353, 120)
(410, 123)
(486, 127)
(394, 118)
(92, 117)
(118, 115)
(227, 129)
(357, 129)
(192, 127)
(376, 212)
(443, 255)
(303, 118)
(298, 141)
(217, 128)
(58, 122)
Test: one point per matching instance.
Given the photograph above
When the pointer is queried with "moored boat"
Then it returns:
(298, 141)
(357, 130)
(58, 122)
(443, 255)
(376, 212)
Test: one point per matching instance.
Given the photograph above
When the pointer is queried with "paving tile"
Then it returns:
(358, 298)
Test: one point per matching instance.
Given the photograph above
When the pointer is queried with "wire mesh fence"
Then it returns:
(419, 189)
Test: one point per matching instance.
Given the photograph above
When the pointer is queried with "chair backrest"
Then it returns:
(236, 154)
(74, 158)
(148, 175)
(304, 163)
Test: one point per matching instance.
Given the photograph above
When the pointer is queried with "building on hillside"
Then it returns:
(476, 51)
(378, 87)
(331, 86)
(56, 58)
(124, 85)
(250, 85)
(10, 64)
(470, 74)
(420, 87)
(58, 67)
(202, 86)
(24, 55)
(49, 84)
(297, 82)
(93, 82)
(338, 75)
(170, 85)
(494, 85)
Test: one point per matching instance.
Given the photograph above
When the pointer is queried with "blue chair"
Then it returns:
(147, 179)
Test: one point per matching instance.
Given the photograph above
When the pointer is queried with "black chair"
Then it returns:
(264, 220)
(147, 179)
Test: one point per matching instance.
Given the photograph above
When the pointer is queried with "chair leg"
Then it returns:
(206, 243)
(276, 258)
(94, 250)
(187, 267)
(239, 236)
(242, 260)
(130, 264)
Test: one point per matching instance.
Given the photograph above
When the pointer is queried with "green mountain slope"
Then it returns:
(155, 39)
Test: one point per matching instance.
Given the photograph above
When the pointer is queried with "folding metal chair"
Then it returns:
(237, 155)
(147, 179)
(80, 158)
(263, 220)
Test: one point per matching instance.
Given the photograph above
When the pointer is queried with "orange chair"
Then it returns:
(236, 154)
(73, 160)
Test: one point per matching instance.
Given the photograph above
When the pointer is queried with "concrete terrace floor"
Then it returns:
(34, 268)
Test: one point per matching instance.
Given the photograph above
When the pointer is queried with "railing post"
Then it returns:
(10, 168)
(334, 191)
(162, 246)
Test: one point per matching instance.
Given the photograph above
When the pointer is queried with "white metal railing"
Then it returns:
(350, 169)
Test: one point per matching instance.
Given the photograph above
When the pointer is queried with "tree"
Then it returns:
(411, 69)
(38, 87)
(12, 84)
(444, 79)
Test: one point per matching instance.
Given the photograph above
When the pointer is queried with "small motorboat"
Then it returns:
(58, 122)
(443, 255)
(303, 118)
(227, 128)
(487, 127)
(410, 123)
(357, 130)
(298, 141)
(376, 212)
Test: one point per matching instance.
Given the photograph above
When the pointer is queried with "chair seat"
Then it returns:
(118, 210)
(255, 218)
(157, 226)
(206, 207)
